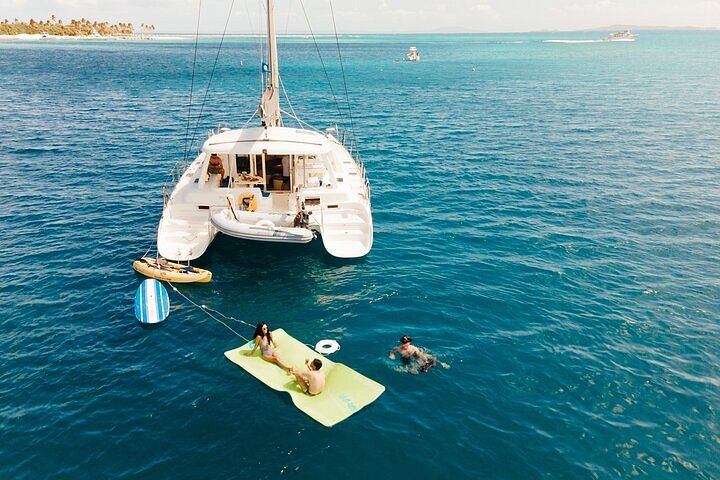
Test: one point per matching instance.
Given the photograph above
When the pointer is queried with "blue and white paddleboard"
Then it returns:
(152, 304)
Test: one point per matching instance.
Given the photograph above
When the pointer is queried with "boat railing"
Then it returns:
(175, 175)
(322, 216)
(179, 169)
(351, 147)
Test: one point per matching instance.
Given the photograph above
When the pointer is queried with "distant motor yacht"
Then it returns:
(412, 55)
(623, 36)
(269, 183)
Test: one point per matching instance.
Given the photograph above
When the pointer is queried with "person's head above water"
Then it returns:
(262, 330)
(406, 339)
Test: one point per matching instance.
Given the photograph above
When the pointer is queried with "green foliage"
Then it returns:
(55, 26)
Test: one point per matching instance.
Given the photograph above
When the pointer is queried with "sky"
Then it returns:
(377, 16)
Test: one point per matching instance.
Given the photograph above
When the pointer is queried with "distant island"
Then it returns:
(75, 28)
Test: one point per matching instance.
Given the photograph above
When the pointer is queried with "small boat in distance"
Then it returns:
(412, 55)
(622, 36)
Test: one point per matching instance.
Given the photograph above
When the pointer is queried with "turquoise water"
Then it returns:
(547, 224)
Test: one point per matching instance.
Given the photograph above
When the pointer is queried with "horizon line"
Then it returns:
(459, 32)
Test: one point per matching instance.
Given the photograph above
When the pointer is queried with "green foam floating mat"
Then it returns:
(346, 391)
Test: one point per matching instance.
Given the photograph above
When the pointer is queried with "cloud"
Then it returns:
(483, 7)
(75, 3)
(383, 15)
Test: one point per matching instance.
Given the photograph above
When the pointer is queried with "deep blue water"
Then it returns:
(548, 225)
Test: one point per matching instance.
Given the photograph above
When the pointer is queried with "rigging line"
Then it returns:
(317, 47)
(342, 68)
(287, 18)
(205, 310)
(192, 84)
(287, 97)
(250, 119)
(212, 73)
(301, 122)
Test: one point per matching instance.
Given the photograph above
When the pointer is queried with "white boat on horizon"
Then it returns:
(622, 36)
(413, 55)
(270, 183)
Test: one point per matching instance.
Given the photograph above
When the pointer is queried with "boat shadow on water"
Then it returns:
(227, 252)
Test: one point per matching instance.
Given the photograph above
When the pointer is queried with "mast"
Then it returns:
(270, 102)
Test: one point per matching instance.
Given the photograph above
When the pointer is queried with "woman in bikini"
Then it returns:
(264, 341)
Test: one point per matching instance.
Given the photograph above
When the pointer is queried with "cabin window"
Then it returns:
(278, 168)
(258, 166)
(242, 163)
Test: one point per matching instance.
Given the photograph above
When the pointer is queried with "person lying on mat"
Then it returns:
(263, 340)
(312, 382)
(415, 359)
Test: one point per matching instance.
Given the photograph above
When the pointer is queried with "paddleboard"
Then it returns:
(152, 304)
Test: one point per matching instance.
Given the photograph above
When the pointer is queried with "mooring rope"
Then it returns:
(229, 317)
(211, 312)
(208, 311)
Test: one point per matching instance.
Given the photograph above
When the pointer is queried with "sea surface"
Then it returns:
(547, 222)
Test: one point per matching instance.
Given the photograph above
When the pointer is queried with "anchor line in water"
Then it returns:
(210, 311)
(207, 310)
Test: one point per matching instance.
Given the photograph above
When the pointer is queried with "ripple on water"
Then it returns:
(546, 225)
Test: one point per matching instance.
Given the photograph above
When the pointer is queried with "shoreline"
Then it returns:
(44, 36)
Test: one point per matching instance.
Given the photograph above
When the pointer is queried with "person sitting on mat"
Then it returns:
(312, 382)
(415, 359)
(263, 340)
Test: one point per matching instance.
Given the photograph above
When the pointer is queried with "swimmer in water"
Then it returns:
(416, 360)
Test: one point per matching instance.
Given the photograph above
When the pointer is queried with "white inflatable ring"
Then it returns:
(327, 346)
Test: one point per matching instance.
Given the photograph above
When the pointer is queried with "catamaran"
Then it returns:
(269, 183)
